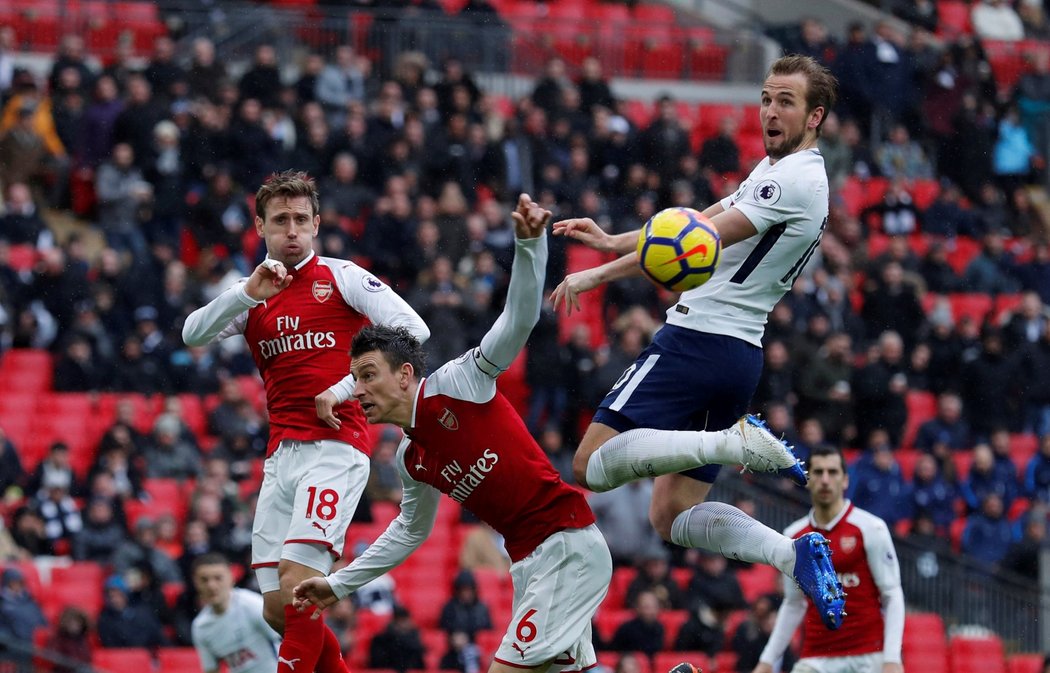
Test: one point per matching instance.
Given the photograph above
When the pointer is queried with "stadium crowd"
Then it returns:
(417, 168)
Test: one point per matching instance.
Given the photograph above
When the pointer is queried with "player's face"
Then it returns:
(213, 583)
(787, 125)
(828, 481)
(381, 390)
(289, 229)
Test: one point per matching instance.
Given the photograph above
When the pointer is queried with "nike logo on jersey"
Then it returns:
(520, 649)
(323, 529)
(290, 663)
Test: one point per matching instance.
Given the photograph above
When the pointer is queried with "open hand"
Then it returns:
(569, 290)
(586, 231)
(314, 591)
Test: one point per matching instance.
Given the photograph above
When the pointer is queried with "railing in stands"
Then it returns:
(960, 590)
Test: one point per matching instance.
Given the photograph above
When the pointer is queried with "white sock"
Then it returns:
(644, 452)
(722, 528)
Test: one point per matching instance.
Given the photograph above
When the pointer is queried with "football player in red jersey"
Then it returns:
(870, 640)
(299, 312)
(464, 439)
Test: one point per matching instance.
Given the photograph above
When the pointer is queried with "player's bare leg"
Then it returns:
(304, 638)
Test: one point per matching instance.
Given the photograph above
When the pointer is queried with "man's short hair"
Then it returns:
(828, 450)
(288, 185)
(397, 345)
(212, 558)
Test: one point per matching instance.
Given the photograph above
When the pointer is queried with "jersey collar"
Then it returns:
(846, 507)
(415, 405)
(306, 260)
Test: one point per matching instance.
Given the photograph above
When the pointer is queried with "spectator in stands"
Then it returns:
(891, 303)
(482, 547)
(57, 465)
(876, 482)
(777, 383)
(462, 654)
(465, 612)
(879, 389)
(123, 624)
(1022, 556)
(1037, 472)
(79, 369)
(23, 151)
(837, 155)
(20, 616)
(643, 633)
(263, 80)
(620, 514)
(902, 157)
(546, 93)
(141, 551)
(665, 141)
(714, 583)
(1014, 153)
(12, 474)
(988, 380)
(947, 431)
(21, 222)
(122, 193)
(594, 86)
(29, 534)
(169, 455)
(101, 535)
(994, 270)
(654, 576)
(996, 20)
(932, 495)
(752, 634)
(720, 154)
(701, 632)
(384, 480)
(988, 533)
(985, 479)
(398, 646)
(922, 13)
(341, 83)
(59, 510)
(206, 73)
(71, 639)
(823, 385)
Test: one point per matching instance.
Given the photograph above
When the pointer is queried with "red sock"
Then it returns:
(303, 638)
(331, 659)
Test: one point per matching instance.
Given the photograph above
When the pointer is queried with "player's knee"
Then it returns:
(274, 616)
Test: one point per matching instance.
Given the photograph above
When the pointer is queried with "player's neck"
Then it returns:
(823, 515)
(401, 415)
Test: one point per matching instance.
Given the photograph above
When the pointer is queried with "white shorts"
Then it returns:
(557, 590)
(308, 496)
(860, 663)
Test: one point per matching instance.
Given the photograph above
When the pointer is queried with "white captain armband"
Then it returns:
(486, 365)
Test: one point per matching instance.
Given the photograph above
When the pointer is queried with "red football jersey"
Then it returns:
(866, 563)
(300, 340)
(486, 460)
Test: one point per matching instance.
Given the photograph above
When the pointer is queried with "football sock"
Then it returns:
(303, 639)
(722, 528)
(331, 659)
(644, 452)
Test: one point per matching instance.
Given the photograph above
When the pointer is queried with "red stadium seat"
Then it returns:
(906, 459)
(757, 580)
(953, 18)
(609, 619)
(621, 579)
(672, 621)
(1025, 663)
(122, 659)
(1022, 447)
(921, 406)
(977, 655)
(87, 597)
(21, 257)
(31, 575)
(725, 662)
(962, 251)
(82, 573)
(652, 13)
(178, 660)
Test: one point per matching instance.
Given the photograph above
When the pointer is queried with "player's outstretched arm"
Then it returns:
(508, 335)
(575, 284)
(586, 231)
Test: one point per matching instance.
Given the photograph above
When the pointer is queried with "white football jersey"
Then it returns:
(787, 202)
(239, 637)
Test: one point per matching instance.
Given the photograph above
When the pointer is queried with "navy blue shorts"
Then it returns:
(685, 380)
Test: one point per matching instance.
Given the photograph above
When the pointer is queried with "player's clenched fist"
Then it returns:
(268, 279)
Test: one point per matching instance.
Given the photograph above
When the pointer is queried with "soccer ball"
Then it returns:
(679, 249)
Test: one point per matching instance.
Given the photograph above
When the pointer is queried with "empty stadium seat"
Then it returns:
(122, 659)
(609, 619)
(621, 579)
(672, 621)
(178, 660)
(977, 655)
(757, 580)
(953, 18)
(1025, 663)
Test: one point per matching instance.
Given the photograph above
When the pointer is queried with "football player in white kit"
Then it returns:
(679, 412)
(870, 641)
(230, 628)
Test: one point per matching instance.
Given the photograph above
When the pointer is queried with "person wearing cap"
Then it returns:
(20, 615)
(298, 313)
(123, 623)
(465, 612)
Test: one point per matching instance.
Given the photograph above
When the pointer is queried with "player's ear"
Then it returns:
(816, 115)
(259, 226)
